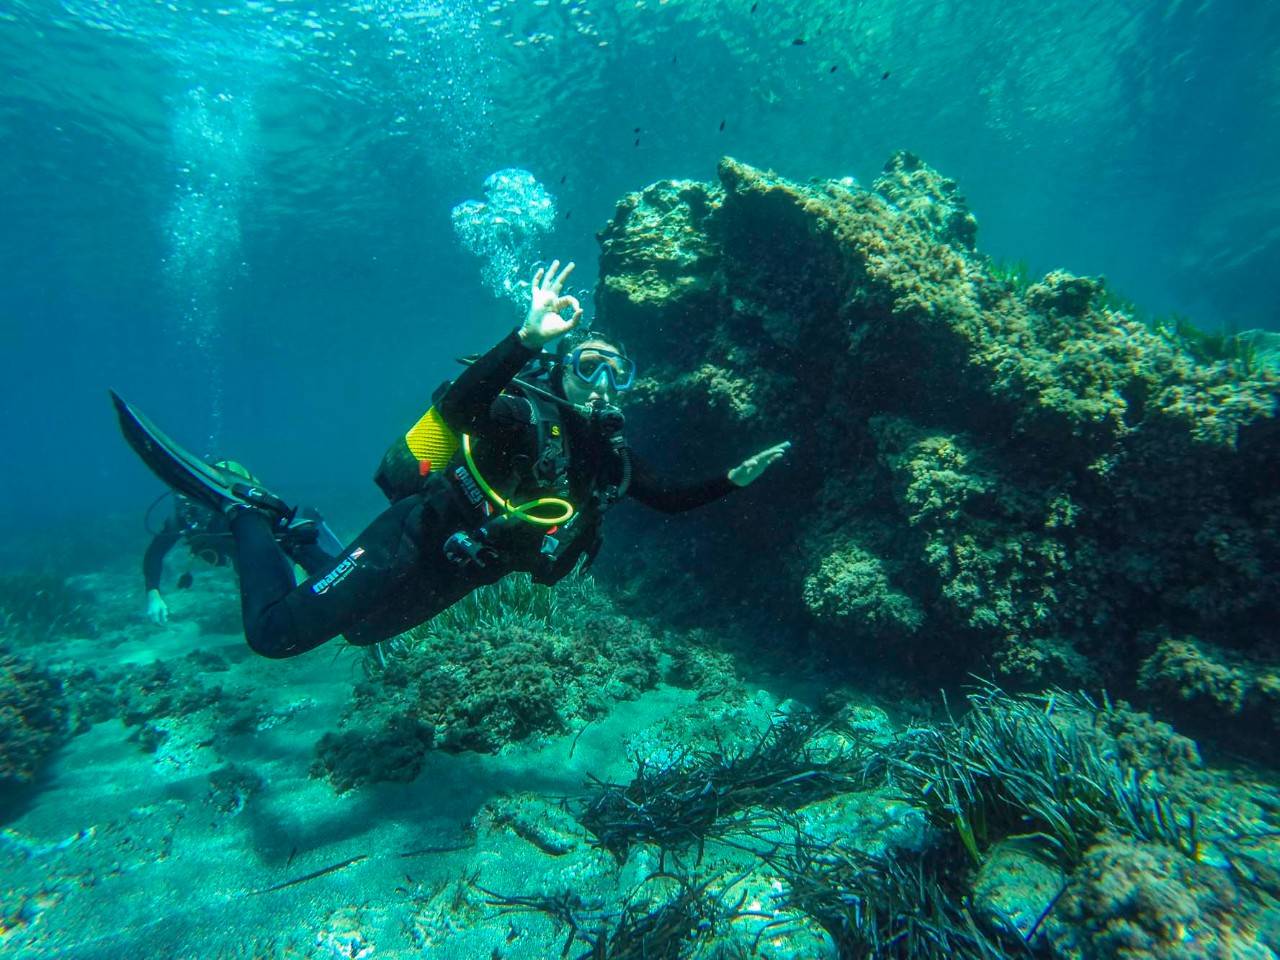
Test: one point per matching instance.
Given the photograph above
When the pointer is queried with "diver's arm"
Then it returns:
(671, 497)
(676, 498)
(153, 559)
(467, 406)
(152, 567)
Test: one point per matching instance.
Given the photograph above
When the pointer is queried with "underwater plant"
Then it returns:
(1016, 274)
(1042, 808)
(513, 599)
(1035, 768)
(898, 906)
(511, 602)
(1209, 346)
(646, 928)
(37, 606)
(702, 794)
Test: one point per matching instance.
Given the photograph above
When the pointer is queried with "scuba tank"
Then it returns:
(430, 445)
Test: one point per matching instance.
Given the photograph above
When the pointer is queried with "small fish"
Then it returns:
(568, 214)
(636, 130)
(798, 42)
(562, 179)
(722, 125)
(673, 59)
(885, 75)
(833, 68)
(753, 7)
(637, 141)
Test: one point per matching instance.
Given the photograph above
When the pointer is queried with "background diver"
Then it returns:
(503, 473)
(206, 534)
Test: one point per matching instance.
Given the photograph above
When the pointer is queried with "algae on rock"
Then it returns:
(1024, 479)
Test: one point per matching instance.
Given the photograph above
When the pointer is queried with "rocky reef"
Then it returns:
(989, 474)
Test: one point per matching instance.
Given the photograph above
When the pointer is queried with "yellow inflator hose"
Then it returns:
(522, 511)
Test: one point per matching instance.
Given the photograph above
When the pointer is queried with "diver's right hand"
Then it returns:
(544, 323)
(157, 609)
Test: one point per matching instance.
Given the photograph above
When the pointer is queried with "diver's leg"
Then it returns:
(265, 571)
(316, 556)
(372, 574)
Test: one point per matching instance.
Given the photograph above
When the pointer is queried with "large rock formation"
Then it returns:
(1011, 477)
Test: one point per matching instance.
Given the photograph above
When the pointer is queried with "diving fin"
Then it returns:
(186, 473)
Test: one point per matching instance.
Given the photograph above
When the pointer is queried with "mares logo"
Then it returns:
(469, 487)
(338, 573)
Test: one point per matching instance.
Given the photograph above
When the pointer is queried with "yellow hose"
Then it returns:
(523, 511)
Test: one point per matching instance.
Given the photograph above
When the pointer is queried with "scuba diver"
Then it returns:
(206, 535)
(503, 473)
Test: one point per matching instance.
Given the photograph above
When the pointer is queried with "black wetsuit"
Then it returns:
(209, 538)
(395, 574)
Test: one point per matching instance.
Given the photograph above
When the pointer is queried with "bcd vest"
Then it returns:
(428, 460)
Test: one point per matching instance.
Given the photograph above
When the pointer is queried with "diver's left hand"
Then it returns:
(749, 470)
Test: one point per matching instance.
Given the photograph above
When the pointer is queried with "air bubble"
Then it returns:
(504, 229)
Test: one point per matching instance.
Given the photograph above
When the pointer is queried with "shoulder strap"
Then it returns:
(548, 467)
(551, 469)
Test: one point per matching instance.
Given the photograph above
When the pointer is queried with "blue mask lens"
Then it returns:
(595, 366)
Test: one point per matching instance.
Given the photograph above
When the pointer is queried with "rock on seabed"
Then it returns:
(1034, 484)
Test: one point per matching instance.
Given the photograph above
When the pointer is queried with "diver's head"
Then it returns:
(594, 370)
(238, 468)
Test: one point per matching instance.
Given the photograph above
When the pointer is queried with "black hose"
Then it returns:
(545, 394)
(624, 454)
(146, 517)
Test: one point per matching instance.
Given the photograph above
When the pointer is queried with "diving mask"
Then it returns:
(598, 365)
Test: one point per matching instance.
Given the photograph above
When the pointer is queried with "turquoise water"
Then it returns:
(274, 225)
(223, 200)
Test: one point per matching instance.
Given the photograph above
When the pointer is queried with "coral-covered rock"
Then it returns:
(1212, 683)
(393, 752)
(547, 826)
(166, 696)
(852, 586)
(1015, 889)
(1014, 478)
(33, 719)
(481, 683)
(1135, 901)
(934, 201)
(657, 261)
(1139, 742)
